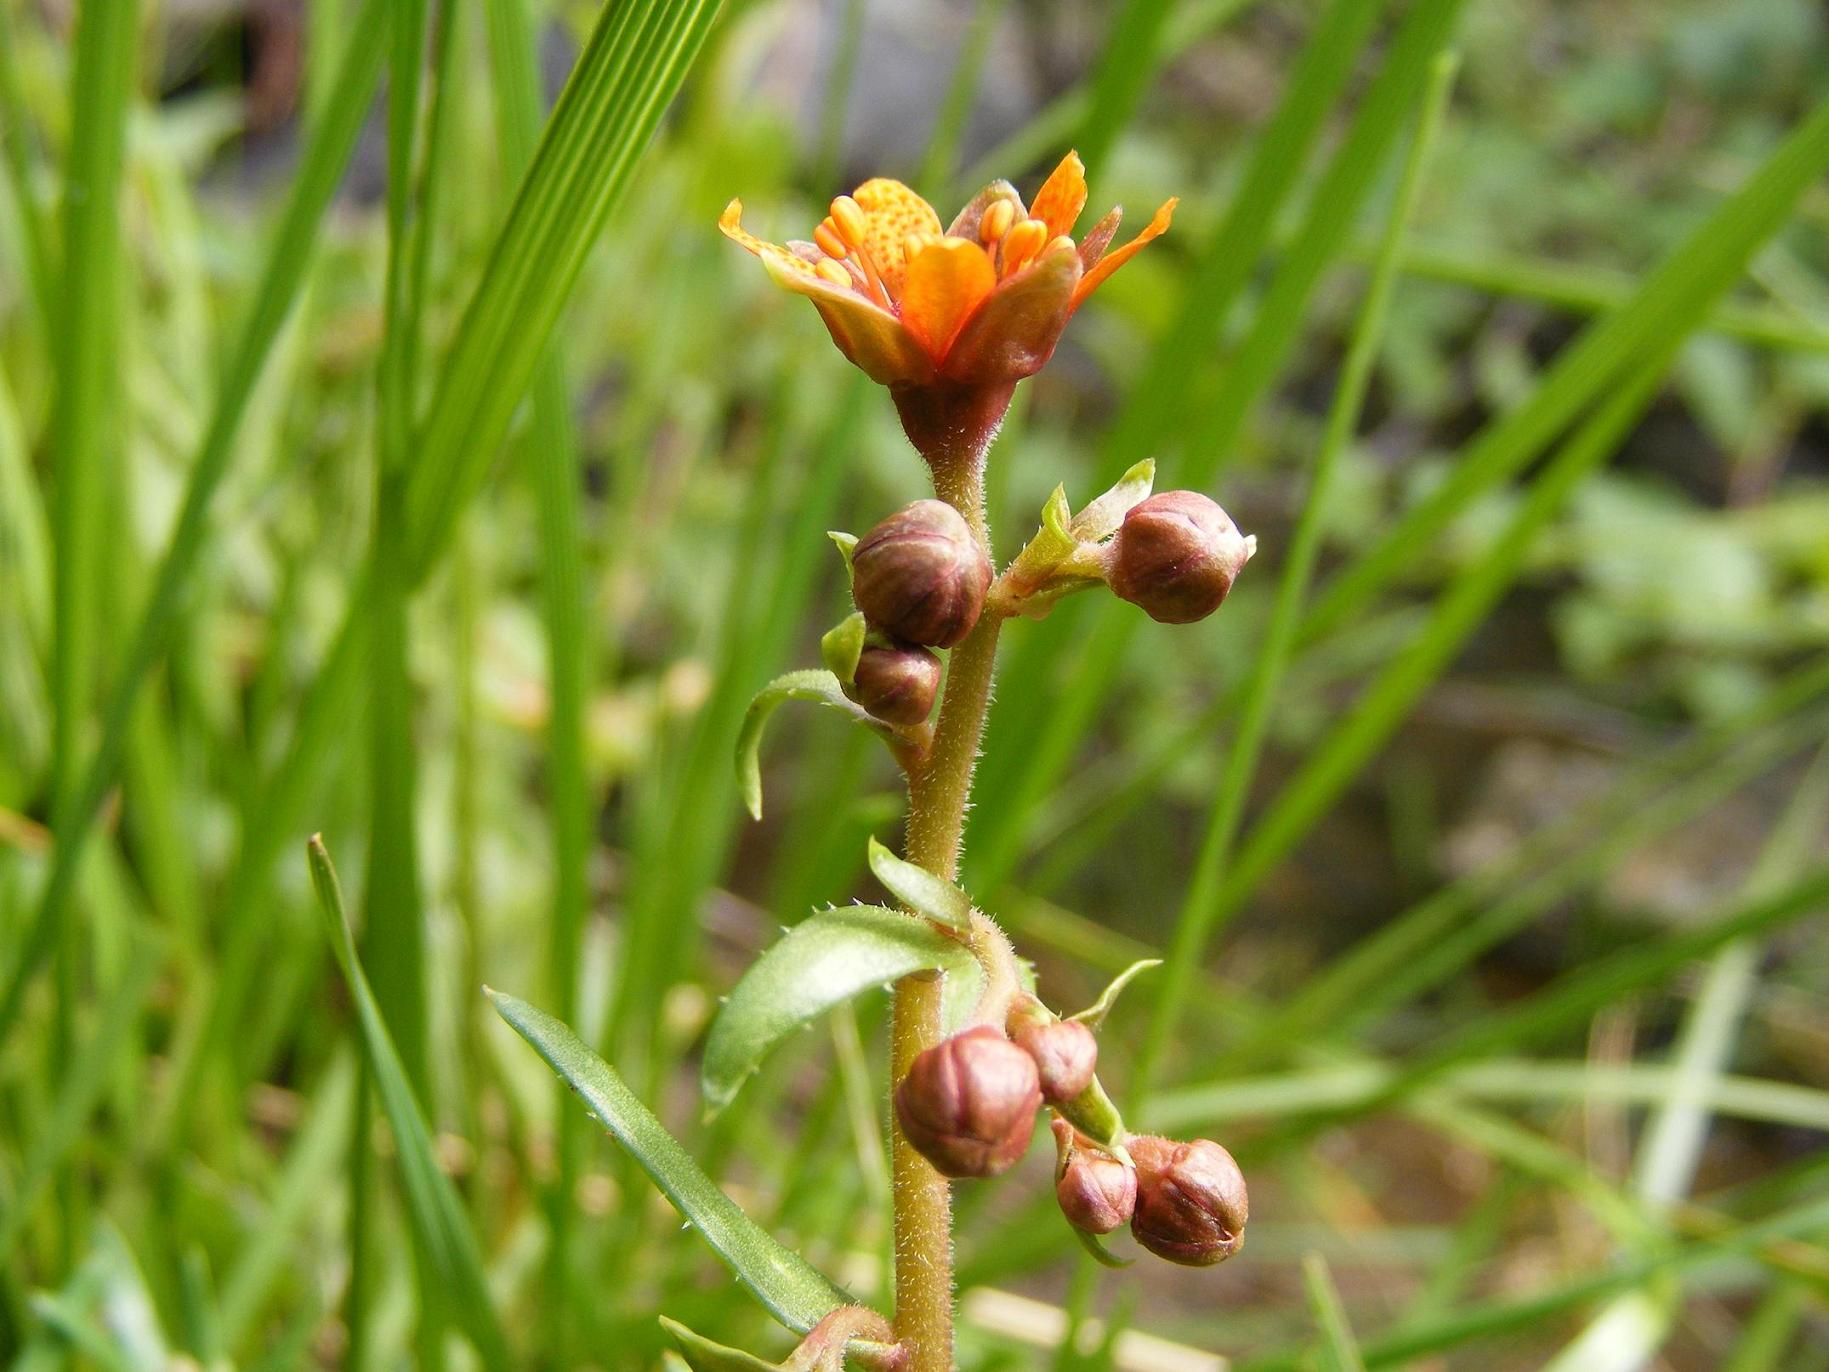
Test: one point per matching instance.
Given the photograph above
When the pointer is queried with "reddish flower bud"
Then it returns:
(1096, 1191)
(1065, 1053)
(1176, 556)
(1191, 1202)
(920, 575)
(968, 1104)
(897, 682)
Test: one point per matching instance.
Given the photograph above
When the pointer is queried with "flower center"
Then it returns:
(1010, 242)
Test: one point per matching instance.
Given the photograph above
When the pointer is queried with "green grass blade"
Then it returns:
(1672, 300)
(626, 77)
(287, 262)
(793, 1292)
(441, 1232)
(1126, 67)
(1338, 1352)
(1266, 679)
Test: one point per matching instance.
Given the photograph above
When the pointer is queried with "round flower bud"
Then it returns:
(1176, 555)
(897, 682)
(920, 575)
(1065, 1054)
(1096, 1191)
(1191, 1203)
(968, 1104)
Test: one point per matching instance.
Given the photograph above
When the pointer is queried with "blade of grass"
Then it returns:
(287, 263)
(1671, 300)
(1129, 62)
(961, 91)
(549, 451)
(441, 1233)
(35, 230)
(626, 77)
(1428, 944)
(1156, 406)
(1337, 1352)
(1272, 657)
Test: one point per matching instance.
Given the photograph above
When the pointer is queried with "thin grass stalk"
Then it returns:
(287, 263)
(955, 107)
(21, 157)
(549, 453)
(1272, 656)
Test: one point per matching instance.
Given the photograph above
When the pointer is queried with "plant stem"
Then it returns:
(937, 793)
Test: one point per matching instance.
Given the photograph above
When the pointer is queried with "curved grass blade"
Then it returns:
(706, 1355)
(440, 1227)
(822, 962)
(793, 1291)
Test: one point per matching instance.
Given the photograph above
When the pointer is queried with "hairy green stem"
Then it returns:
(938, 788)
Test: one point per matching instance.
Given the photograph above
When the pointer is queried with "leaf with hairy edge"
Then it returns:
(821, 688)
(793, 1291)
(1094, 1015)
(441, 1227)
(928, 895)
(822, 962)
(1100, 519)
(703, 1355)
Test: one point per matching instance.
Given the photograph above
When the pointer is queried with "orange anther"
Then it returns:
(853, 224)
(1021, 244)
(1064, 240)
(996, 222)
(826, 236)
(828, 270)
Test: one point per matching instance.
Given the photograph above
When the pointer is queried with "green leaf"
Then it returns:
(440, 1227)
(1094, 1015)
(846, 545)
(706, 1356)
(1100, 519)
(822, 962)
(1052, 545)
(792, 1290)
(841, 646)
(820, 687)
(927, 894)
(1338, 1351)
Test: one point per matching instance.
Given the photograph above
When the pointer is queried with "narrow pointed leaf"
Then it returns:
(440, 1227)
(704, 1355)
(1102, 517)
(1094, 1015)
(791, 1289)
(1096, 1249)
(820, 687)
(928, 895)
(820, 963)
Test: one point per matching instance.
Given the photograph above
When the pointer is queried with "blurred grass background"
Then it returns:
(378, 458)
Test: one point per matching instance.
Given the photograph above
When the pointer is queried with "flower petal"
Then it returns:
(1111, 261)
(969, 218)
(1062, 196)
(1099, 236)
(1014, 331)
(947, 280)
(891, 213)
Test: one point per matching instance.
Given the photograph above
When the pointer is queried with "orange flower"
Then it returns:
(979, 305)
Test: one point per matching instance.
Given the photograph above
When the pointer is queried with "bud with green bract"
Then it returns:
(968, 1103)
(1191, 1201)
(897, 682)
(1176, 556)
(1097, 1192)
(921, 576)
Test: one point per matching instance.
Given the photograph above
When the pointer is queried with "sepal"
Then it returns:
(842, 645)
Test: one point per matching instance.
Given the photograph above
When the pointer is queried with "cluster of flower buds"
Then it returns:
(920, 578)
(969, 1105)
(1176, 556)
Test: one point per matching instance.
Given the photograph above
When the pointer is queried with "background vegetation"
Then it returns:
(356, 478)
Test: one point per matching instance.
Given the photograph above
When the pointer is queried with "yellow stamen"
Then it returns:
(829, 270)
(826, 236)
(1064, 240)
(852, 224)
(996, 222)
(1021, 244)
